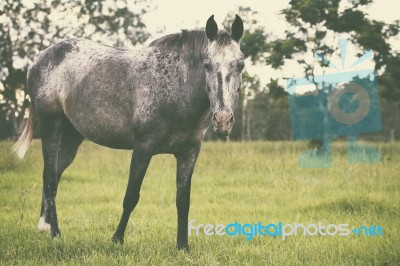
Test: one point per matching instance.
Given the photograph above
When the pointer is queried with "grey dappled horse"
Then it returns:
(159, 99)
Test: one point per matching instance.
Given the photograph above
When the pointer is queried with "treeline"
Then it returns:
(262, 114)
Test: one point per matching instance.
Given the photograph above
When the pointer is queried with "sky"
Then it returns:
(178, 14)
(173, 15)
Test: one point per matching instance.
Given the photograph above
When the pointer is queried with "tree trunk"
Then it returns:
(248, 133)
(391, 134)
(244, 114)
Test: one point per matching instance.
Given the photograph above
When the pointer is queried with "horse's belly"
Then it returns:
(105, 124)
(113, 133)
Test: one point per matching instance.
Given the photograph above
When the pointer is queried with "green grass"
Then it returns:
(244, 182)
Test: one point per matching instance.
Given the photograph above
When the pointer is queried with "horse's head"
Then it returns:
(224, 64)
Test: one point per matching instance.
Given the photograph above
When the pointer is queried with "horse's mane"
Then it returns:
(190, 43)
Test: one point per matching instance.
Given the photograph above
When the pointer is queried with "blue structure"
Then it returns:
(340, 104)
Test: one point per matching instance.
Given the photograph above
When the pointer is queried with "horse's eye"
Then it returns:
(240, 66)
(208, 66)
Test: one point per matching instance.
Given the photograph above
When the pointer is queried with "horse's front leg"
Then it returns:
(185, 166)
(140, 161)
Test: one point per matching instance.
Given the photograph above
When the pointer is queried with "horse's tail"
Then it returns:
(22, 145)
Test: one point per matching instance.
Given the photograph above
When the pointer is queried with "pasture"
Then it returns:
(244, 182)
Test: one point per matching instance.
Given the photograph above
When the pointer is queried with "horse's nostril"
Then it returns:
(232, 118)
(215, 116)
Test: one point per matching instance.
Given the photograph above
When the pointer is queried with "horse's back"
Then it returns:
(59, 68)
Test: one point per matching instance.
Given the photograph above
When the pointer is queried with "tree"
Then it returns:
(390, 79)
(389, 84)
(29, 27)
(22, 33)
(118, 23)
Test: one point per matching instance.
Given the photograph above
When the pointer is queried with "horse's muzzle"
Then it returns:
(223, 121)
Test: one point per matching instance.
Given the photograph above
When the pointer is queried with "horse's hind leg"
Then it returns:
(60, 142)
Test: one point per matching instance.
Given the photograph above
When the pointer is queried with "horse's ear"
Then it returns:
(237, 29)
(211, 28)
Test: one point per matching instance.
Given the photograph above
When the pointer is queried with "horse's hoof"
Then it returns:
(184, 247)
(43, 226)
(55, 233)
(117, 239)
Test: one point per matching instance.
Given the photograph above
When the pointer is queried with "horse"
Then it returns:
(159, 99)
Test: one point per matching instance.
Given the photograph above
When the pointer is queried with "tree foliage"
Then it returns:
(312, 20)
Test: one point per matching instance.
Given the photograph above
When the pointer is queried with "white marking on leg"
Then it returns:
(43, 226)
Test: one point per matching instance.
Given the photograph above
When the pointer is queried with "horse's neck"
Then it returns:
(195, 100)
(197, 82)
(190, 77)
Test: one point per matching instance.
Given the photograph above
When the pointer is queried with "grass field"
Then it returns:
(244, 182)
